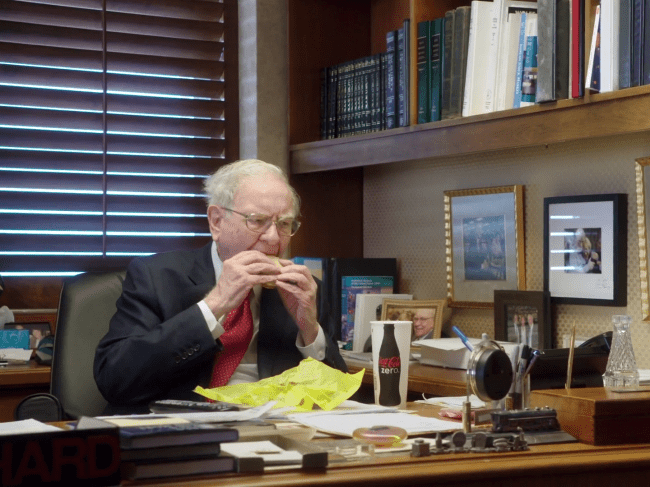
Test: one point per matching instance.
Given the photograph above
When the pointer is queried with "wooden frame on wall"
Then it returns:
(484, 244)
(642, 166)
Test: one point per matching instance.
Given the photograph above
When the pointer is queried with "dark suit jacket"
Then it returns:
(158, 344)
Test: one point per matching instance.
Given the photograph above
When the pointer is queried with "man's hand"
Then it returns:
(240, 273)
(298, 291)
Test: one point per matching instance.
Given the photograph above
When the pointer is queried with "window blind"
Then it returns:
(112, 112)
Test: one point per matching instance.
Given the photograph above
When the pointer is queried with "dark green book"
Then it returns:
(437, 34)
(391, 79)
(447, 65)
(424, 71)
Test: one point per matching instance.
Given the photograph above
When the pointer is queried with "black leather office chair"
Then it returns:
(86, 306)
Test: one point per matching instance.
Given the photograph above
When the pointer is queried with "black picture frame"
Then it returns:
(577, 270)
(534, 307)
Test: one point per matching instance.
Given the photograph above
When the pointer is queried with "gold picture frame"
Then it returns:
(405, 310)
(484, 244)
(642, 166)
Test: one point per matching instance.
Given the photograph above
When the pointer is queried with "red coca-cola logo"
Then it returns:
(391, 362)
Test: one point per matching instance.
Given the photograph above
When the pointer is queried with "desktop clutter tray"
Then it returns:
(598, 416)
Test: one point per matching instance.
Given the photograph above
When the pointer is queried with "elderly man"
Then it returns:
(423, 323)
(205, 317)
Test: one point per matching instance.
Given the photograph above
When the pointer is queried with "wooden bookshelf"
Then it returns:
(331, 40)
(615, 113)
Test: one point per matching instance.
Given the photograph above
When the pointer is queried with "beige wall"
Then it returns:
(404, 217)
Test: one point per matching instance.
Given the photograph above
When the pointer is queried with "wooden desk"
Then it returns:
(427, 379)
(542, 466)
(18, 382)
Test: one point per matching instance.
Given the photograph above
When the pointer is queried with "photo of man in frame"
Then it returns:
(582, 250)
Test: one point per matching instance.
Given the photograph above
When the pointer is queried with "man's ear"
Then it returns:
(215, 220)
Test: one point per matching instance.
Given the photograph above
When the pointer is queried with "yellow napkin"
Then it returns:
(310, 383)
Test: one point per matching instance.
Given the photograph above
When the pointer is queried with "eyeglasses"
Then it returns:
(258, 223)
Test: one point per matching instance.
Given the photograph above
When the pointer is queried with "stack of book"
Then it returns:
(166, 447)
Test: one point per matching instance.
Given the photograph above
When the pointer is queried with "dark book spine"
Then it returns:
(407, 72)
(625, 44)
(562, 44)
(391, 81)
(401, 88)
(645, 45)
(437, 61)
(383, 76)
(323, 103)
(546, 25)
(447, 65)
(332, 95)
(459, 65)
(423, 71)
(638, 22)
(376, 93)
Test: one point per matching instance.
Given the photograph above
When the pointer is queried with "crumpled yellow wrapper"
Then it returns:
(310, 383)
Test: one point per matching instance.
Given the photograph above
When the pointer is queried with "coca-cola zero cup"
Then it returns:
(391, 349)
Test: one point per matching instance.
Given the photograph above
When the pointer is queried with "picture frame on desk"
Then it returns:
(585, 249)
(484, 244)
(523, 317)
(407, 310)
(642, 168)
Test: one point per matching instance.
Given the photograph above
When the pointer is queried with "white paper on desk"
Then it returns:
(210, 417)
(454, 402)
(268, 451)
(15, 355)
(26, 426)
(344, 425)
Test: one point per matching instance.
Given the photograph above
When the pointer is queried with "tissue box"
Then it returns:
(14, 339)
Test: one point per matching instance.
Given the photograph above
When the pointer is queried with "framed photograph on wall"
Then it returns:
(523, 317)
(585, 249)
(484, 244)
(426, 315)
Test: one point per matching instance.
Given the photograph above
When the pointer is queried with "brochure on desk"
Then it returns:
(451, 352)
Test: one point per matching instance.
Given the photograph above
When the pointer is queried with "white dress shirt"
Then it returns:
(247, 371)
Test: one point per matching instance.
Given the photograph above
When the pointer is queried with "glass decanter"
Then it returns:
(621, 369)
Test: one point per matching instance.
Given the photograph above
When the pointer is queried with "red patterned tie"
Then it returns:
(237, 335)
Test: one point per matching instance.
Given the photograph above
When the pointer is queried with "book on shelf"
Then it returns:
(497, 19)
(478, 52)
(529, 75)
(638, 36)
(519, 69)
(644, 47)
(391, 79)
(437, 32)
(592, 81)
(553, 25)
(577, 48)
(609, 39)
(156, 469)
(424, 70)
(368, 308)
(447, 66)
(404, 83)
(508, 49)
(625, 29)
(459, 52)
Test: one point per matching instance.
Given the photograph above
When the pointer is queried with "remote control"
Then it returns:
(177, 406)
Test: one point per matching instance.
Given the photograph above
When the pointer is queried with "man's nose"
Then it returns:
(271, 233)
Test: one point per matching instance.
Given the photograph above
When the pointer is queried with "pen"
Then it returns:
(536, 354)
(463, 338)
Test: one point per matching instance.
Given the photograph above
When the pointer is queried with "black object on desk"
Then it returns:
(589, 364)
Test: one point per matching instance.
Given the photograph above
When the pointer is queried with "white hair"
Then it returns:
(221, 187)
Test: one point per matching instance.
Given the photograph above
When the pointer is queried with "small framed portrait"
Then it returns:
(585, 249)
(37, 331)
(484, 243)
(523, 317)
(426, 315)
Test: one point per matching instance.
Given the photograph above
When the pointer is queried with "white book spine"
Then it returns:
(494, 53)
(471, 55)
(609, 56)
(592, 49)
